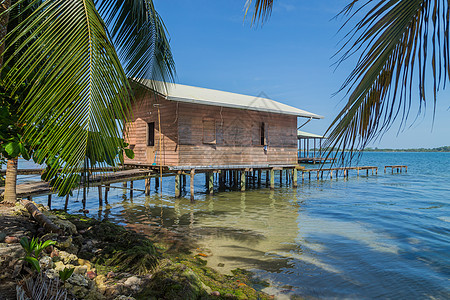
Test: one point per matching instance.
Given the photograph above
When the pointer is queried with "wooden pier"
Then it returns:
(234, 177)
(398, 167)
(314, 160)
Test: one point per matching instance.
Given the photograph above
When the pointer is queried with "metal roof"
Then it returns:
(307, 135)
(191, 94)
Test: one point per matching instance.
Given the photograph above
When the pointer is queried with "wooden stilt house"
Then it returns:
(192, 126)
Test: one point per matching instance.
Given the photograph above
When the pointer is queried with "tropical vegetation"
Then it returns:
(400, 44)
(75, 58)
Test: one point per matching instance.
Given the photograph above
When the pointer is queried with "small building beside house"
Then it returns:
(192, 126)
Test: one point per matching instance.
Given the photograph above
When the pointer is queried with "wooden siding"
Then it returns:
(188, 134)
(238, 136)
(144, 112)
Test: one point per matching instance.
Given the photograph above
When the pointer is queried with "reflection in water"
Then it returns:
(362, 237)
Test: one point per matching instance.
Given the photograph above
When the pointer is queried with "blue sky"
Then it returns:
(289, 59)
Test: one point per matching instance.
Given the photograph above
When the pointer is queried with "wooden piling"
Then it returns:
(177, 185)
(100, 196)
(211, 183)
(66, 203)
(192, 184)
(106, 193)
(147, 186)
(243, 181)
(259, 177)
(156, 183)
(294, 176)
(49, 201)
(131, 189)
(272, 179)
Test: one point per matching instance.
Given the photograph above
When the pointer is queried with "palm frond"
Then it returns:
(262, 9)
(77, 84)
(140, 38)
(400, 44)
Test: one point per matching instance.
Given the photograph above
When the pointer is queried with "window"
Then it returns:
(151, 134)
(263, 134)
(209, 131)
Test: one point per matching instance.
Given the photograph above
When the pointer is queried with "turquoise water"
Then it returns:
(384, 236)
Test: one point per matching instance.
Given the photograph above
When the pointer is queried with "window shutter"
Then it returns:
(209, 131)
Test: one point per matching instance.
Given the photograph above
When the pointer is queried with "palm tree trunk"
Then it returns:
(10, 196)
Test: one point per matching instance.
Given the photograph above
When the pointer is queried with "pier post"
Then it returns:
(192, 185)
(84, 197)
(211, 183)
(294, 180)
(267, 178)
(357, 171)
(66, 204)
(243, 181)
(367, 172)
(177, 185)
(49, 201)
(131, 189)
(100, 196)
(156, 183)
(106, 193)
(303, 176)
(272, 179)
(147, 186)
(281, 177)
(331, 174)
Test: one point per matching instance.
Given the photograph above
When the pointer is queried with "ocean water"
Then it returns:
(378, 236)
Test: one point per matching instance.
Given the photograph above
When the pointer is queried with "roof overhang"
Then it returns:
(196, 95)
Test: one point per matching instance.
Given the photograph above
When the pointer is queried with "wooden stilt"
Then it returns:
(84, 198)
(303, 176)
(66, 204)
(272, 179)
(367, 172)
(192, 184)
(156, 183)
(259, 177)
(131, 189)
(147, 186)
(243, 181)
(106, 193)
(281, 177)
(177, 185)
(331, 174)
(100, 196)
(294, 176)
(267, 178)
(49, 201)
(211, 183)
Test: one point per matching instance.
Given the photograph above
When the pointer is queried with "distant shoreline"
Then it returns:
(438, 149)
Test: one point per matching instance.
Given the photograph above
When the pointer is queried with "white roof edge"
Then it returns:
(205, 96)
(304, 134)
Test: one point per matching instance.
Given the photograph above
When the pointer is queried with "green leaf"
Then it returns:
(24, 152)
(25, 243)
(129, 153)
(34, 263)
(12, 149)
(66, 273)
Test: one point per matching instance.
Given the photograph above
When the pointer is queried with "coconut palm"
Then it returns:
(400, 43)
(77, 57)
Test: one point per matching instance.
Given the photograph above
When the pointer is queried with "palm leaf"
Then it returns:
(139, 36)
(79, 86)
(79, 95)
(262, 9)
(400, 43)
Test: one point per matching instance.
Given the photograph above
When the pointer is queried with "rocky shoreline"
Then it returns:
(111, 262)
